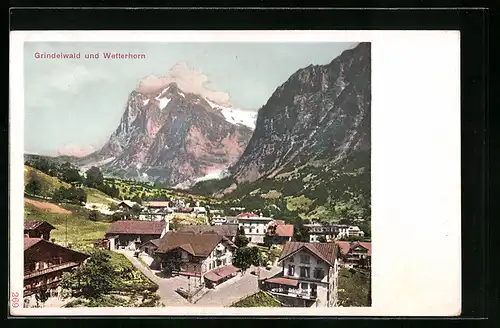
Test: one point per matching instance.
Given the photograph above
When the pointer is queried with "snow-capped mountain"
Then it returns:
(173, 135)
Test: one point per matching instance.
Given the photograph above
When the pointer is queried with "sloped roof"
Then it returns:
(325, 251)
(30, 242)
(197, 244)
(225, 230)
(282, 230)
(346, 246)
(156, 204)
(220, 273)
(129, 203)
(32, 225)
(136, 227)
(248, 214)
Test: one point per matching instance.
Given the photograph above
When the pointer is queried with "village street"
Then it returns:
(221, 296)
(235, 289)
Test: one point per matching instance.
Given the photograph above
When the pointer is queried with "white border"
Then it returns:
(416, 218)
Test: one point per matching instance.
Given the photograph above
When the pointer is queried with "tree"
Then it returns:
(322, 239)
(243, 258)
(94, 177)
(241, 231)
(34, 185)
(69, 173)
(135, 210)
(241, 241)
(137, 199)
(41, 296)
(93, 278)
(300, 232)
(94, 216)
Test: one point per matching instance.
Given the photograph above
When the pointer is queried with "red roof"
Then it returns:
(30, 242)
(156, 204)
(185, 210)
(283, 281)
(248, 214)
(278, 222)
(220, 273)
(284, 230)
(197, 244)
(324, 251)
(346, 246)
(136, 227)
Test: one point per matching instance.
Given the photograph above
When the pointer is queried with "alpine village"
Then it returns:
(140, 223)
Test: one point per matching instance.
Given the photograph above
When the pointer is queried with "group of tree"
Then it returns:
(35, 184)
(72, 195)
(246, 256)
(93, 278)
(241, 240)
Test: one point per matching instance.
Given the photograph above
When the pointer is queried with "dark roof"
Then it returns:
(224, 230)
(197, 244)
(136, 227)
(30, 242)
(32, 225)
(325, 251)
(155, 242)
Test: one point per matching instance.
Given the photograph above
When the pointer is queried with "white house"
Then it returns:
(255, 226)
(350, 231)
(309, 275)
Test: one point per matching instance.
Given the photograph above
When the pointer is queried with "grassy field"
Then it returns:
(259, 299)
(80, 230)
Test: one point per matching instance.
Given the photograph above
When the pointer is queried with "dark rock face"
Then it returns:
(170, 136)
(322, 113)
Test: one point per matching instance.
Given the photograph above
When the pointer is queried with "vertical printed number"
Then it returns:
(14, 300)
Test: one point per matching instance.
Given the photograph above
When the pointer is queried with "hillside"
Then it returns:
(309, 156)
(81, 231)
(51, 184)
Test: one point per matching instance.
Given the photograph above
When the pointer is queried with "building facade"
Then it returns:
(38, 229)
(255, 226)
(309, 275)
(44, 264)
(130, 234)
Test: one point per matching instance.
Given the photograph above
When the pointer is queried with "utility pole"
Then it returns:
(66, 238)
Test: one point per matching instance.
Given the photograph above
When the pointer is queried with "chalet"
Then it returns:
(132, 233)
(309, 275)
(44, 264)
(229, 230)
(127, 205)
(278, 233)
(155, 211)
(207, 256)
(38, 229)
(355, 253)
(255, 226)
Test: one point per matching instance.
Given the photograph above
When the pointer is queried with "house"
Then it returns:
(255, 226)
(350, 231)
(155, 211)
(132, 233)
(44, 264)
(229, 230)
(38, 229)
(278, 233)
(355, 253)
(126, 205)
(219, 220)
(309, 275)
(316, 230)
(207, 256)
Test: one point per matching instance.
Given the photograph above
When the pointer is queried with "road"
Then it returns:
(166, 287)
(221, 296)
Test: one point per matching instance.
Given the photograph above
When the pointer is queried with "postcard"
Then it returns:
(234, 173)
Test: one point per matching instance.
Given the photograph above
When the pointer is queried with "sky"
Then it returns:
(72, 106)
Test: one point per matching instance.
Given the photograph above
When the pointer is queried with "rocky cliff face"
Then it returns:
(321, 113)
(173, 136)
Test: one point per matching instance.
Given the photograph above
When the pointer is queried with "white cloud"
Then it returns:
(189, 80)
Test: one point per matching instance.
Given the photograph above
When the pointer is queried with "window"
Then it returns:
(257, 230)
(291, 259)
(291, 270)
(304, 285)
(319, 273)
(305, 259)
(304, 272)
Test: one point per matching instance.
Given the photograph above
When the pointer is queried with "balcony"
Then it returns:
(30, 273)
(294, 292)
